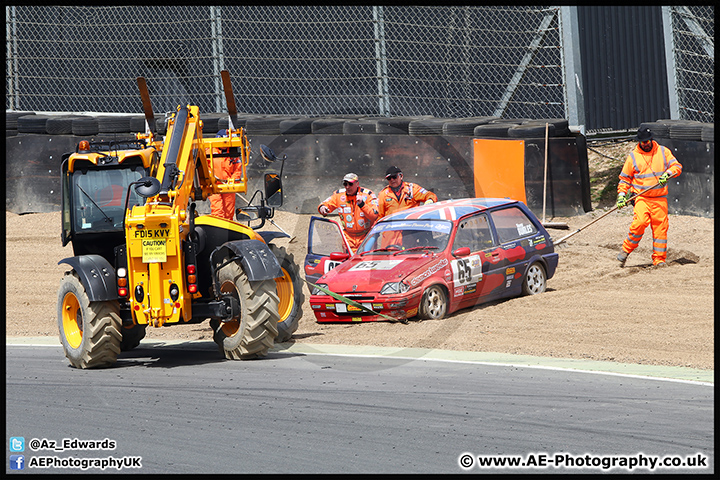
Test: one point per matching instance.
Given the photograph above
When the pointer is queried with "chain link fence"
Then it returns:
(446, 62)
(693, 51)
(392, 61)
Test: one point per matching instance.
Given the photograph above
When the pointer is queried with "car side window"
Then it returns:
(512, 223)
(325, 237)
(473, 232)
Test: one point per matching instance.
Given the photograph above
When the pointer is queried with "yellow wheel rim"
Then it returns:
(287, 295)
(72, 320)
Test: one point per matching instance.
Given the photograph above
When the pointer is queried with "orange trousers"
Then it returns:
(653, 212)
(354, 240)
(223, 205)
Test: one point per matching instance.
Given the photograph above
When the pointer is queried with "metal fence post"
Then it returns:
(12, 67)
(381, 60)
(670, 68)
(218, 57)
(572, 67)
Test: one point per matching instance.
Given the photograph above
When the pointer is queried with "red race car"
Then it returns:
(430, 261)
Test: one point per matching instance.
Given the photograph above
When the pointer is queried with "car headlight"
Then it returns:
(393, 288)
(317, 291)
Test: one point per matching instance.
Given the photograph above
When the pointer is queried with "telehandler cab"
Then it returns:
(143, 256)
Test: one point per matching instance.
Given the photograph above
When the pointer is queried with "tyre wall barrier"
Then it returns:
(452, 167)
(455, 158)
(693, 192)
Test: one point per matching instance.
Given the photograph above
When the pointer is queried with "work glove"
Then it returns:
(621, 201)
(428, 201)
(324, 210)
(361, 203)
(664, 178)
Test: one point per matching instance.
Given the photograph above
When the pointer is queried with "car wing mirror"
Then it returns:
(461, 252)
(339, 256)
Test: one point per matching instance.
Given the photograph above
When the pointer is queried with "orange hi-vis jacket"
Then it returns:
(224, 168)
(411, 195)
(642, 170)
(356, 221)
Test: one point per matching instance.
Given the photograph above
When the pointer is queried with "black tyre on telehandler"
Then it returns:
(252, 334)
(291, 296)
(131, 336)
(90, 332)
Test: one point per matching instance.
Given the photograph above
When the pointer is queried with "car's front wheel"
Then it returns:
(535, 280)
(434, 303)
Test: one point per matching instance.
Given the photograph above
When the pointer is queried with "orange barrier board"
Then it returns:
(499, 167)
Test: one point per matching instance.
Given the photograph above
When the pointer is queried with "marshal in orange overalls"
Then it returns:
(356, 220)
(641, 171)
(411, 195)
(224, 168)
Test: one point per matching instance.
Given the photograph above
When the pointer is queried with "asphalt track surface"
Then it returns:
(180, 408)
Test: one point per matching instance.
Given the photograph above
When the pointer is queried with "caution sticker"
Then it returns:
(154, 251)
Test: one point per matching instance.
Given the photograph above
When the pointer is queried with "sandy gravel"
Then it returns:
(593, 309)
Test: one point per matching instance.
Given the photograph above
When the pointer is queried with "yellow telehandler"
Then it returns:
(143, 256)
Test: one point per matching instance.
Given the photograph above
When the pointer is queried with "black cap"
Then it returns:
(643, 134)
(392, 171)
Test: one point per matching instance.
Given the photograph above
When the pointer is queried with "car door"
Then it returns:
(516, 234)
(324, 238)
(473, 273)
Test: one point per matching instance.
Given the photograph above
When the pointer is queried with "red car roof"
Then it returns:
(449, 209)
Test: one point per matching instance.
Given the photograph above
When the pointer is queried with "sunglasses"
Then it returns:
(348, 184)
(391, 177)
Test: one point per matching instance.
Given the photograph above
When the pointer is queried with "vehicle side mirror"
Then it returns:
(273, 190)
(461, 252)
(147, 187)
(245, 216)
(267, 153)
(339, 256)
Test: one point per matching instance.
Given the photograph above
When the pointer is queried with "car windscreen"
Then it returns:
(407, 234)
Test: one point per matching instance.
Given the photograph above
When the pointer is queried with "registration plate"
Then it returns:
(342, 308)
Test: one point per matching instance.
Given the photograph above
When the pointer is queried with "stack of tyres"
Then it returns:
(11, 122)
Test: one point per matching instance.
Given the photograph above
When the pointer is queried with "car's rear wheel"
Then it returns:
(535, 280)
(434, 303)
